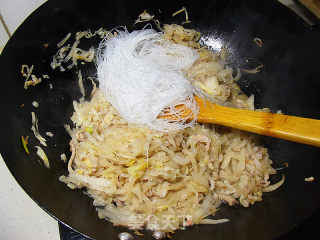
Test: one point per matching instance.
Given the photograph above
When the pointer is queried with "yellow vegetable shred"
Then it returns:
(24, 143)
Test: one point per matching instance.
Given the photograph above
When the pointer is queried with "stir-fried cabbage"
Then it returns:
(139, 177)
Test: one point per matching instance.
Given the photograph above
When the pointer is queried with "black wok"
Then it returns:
(289, 81)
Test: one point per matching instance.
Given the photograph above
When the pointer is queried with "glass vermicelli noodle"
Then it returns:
(163, 181)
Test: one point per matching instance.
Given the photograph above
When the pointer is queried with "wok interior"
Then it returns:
(289, 81)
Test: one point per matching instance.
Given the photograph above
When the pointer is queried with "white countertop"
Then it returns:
(20, 217)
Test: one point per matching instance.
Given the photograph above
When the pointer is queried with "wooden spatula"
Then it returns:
(296, 129)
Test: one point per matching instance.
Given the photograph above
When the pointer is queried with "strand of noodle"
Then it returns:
(63, 41)
(73, 155)
(141, 74)
(94, 86)
(148, 144)
(213, 221)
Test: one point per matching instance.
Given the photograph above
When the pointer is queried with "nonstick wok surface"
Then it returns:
(290, 81)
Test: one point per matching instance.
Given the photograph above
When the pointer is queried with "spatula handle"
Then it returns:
(297, 129)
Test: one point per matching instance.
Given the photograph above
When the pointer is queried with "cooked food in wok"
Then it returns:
(140, 177)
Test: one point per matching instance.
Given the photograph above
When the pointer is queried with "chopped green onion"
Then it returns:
(24, 143)
(89, 130)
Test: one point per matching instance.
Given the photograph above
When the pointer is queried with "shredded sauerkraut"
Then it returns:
(71, 54)
(164, 181)
(29, 82)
